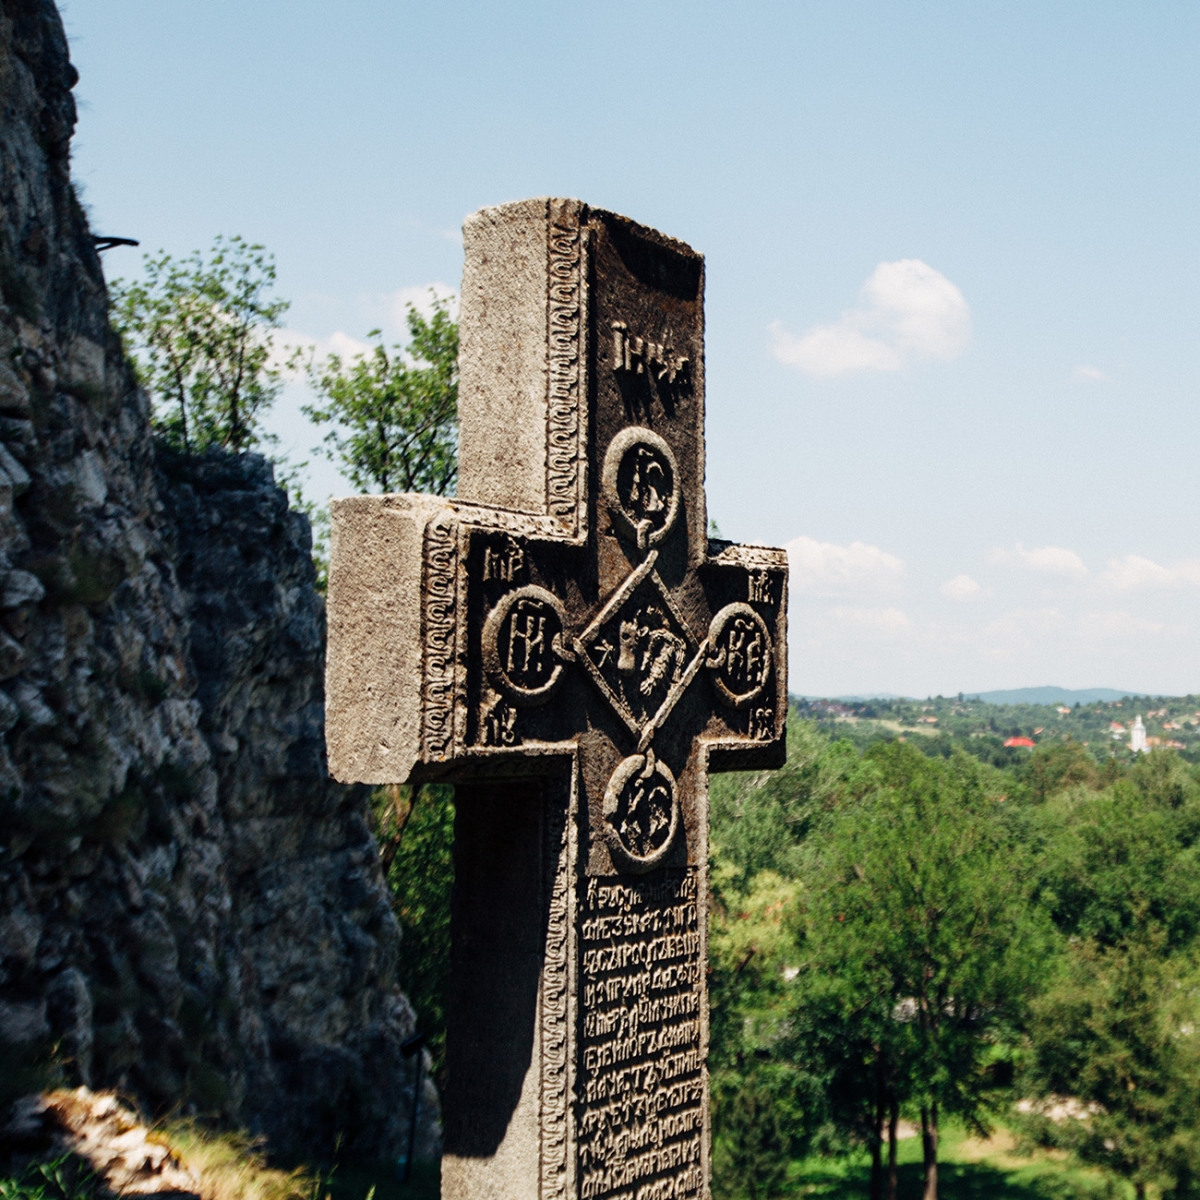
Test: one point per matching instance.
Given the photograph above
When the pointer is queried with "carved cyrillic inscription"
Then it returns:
(638, 356)
(761, 587)
(503, 560)
(562, 362)
(641, 1090)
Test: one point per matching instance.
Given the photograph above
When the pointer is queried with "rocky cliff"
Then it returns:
(189, 909)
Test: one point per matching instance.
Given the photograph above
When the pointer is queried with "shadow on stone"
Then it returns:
(497, 921)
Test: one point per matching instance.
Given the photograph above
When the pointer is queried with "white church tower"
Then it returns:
(1137, 735)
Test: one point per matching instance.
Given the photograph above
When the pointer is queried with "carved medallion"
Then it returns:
(638, 650)
(522, 645)
(641, 485)
(739, 654)
(640, 812)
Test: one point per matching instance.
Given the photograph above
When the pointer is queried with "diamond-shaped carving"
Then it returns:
(639, 651)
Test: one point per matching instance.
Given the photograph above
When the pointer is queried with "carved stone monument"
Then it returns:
(567, 645)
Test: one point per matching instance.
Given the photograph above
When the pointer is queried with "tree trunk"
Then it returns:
(876, 1190)
(893, 1120)
(1139, 1190)
(929, 1139)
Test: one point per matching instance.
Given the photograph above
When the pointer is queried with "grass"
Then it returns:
(61, 1178)
(227, 1165)
(231, 1166)
(968, 1169)
(381, 1181)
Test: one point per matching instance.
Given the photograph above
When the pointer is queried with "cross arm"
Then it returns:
(399, 652)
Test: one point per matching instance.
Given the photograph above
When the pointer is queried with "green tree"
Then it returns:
(1115, 1055)
(415, 831)
(770, 1089)
(198, 331)
(394, 411)
(767, 1103)
(1116, 1058)
(1059, 765)
(918, 913)
(1117, 862)
(849, 1022)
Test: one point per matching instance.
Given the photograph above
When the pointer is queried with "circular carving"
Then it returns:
(739, 654)
(522, 645)
(641, 485)
(640, 812)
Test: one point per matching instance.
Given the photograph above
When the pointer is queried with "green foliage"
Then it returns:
(1119, 1034)
(199, 333)
(901, 927)
(64, 1177)
(771, 1098)
(415, 829)
(1125, 859)
(758, 1109)
(919, 945)
(393, 411)
(767, 1104)
(760, 821)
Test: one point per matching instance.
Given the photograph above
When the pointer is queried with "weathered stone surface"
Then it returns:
(566, 643)
(189, 907)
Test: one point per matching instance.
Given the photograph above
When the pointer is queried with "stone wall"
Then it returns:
(189, 908)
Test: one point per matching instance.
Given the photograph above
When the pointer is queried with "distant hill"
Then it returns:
(1034, 695)
(1050, 695)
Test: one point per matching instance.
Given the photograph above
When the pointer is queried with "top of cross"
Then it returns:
(570, 597)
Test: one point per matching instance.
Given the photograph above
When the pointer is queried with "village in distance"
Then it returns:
(1107, 722)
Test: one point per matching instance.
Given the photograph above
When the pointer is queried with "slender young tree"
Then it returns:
(920, 918)
(199, 333)
(1120, 1034)
(393, 411)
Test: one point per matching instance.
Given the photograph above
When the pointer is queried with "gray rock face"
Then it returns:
(189, 908)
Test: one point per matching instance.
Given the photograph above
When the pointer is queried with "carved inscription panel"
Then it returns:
(641, 1079)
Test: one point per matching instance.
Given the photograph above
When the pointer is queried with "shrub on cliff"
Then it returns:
(394, 410)
(198, 331)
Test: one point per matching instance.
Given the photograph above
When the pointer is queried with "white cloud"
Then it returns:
(1089, 375)
(1047, 560)
(1133, 573)
(878, 621)
(826, 569)
(287, 341)
(387, 311)
(1025, 629)
(1014, 631)
(909, 313)
(833, 350)
(1110, 626)
(421, 298)
(963, 587)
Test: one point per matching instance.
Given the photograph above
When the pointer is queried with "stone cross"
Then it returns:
(567, 645)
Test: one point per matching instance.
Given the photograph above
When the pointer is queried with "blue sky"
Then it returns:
(953, 346)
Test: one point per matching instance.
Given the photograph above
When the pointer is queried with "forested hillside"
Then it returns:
(907, 933)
